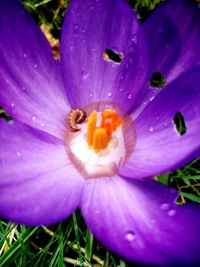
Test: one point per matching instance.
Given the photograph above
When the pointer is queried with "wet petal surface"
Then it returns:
(140, 221)
(160, 147)
(38, 184)
(93, 32)
(31, 85)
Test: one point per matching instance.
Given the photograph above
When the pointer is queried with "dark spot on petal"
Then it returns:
(157, 80)
(4, 115)
(179, 122)
(109, 54)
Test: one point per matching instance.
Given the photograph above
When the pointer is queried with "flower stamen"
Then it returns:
(99, 137)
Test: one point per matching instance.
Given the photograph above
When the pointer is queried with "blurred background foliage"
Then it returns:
(70, 243)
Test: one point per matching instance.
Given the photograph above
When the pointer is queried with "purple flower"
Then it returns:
(107, 61)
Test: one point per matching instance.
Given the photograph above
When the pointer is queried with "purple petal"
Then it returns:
(159, 146)
(90, 27)
(31, 85)
(38, 184)
(174, 42)
(140, 221)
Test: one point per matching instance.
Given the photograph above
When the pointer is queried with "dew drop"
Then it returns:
(126, 66)
(23, 88)
(171, 212)
(134, 39)
(42, 124)
(130, 60)
(12, 105)
(121, 89)
(164, 206)
(152, 98)
(151, 129)
(91, 95)
(91, 7)
(25, 55)
(18, 154)
(85, 75)
(129, 96)
(83, 29)
(97, 211)
(76, 26)
(33, 118)
(2, 161)
(130, 236)
(109, 94)
(35, 66)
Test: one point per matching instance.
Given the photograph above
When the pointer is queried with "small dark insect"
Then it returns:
(76, 116)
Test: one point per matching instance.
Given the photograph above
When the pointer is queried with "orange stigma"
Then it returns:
(99, 137)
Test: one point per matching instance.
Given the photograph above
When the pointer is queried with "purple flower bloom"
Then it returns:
(41, 167)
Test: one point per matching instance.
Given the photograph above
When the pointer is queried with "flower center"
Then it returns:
(99, 139)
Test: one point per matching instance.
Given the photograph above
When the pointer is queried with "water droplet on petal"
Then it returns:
(18, 154)
(121, 89)
(171, 212)
(109, 94)
(91, 7)
(152, 98)
(126, 66)
(25, 55)
(151, 129)
(12, 105)
(164, 206)
(33, 118)
(23, 88)
(97, 211)
(134, 39)
(3, 161)
(130, 236)
(85, 75)
(76, 26)
(129, 96)
(75, 35)
(35, 66)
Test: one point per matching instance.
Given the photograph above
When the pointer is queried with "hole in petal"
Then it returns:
(109, 54)
(157, 80)
(4, 115)
(179, 122)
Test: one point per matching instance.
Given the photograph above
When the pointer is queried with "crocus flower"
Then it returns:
(50, 164)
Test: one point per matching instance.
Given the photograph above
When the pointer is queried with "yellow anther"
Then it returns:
(91, 126)
(110, 120)
(98, 138)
